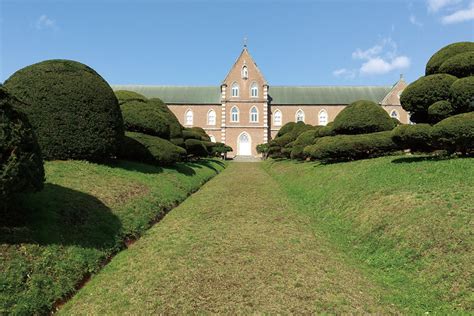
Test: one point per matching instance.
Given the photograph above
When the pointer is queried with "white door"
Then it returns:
(245, 146)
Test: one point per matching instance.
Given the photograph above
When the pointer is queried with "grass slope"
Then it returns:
(407, 221)
(235, 247)
(84, 214)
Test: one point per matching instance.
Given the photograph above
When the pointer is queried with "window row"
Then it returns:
(253, 90)
(235, 114)
(323, 117)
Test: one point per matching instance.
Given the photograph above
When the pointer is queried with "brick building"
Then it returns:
(245, 110)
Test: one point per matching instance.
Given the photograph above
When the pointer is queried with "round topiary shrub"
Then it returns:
(462, 95)
(127, 96)
(145, 117)
(304, 139)
(420, 94)
(175, 126)
(417, 137)
(196, 148)
(72, 109)
(286, 128)
(362, 117)
(440, 110)
(461, 65)
(455, 134)
(445, 53)
(21, 164)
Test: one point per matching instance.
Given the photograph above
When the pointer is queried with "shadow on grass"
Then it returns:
(59, 215)
(412, 159)
(136, 166)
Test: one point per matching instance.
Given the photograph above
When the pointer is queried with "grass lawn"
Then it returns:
(85, 214)
(405, 221)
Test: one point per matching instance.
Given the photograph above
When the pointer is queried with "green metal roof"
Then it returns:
(279, 94)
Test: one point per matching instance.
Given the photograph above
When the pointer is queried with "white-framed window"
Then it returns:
(253, 115)
(394, 114)
(277, 117)
(235, 89)
(323, 117)
(234, 114)
(299, 116)
(188, 117)
(245, 72)
(211, 117)
(254, 90)
(213, 139)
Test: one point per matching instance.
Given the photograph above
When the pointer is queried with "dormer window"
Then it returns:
(245, 72)
(235, 89)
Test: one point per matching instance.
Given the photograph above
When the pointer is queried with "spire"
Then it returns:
(245, 42)
(401, 77)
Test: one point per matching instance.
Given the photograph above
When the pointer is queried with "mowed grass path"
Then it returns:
(237, 245)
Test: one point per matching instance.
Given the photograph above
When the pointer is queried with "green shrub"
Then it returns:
(190, 134)
(178, 141)
(220, 149)
(327, 130)
(175, 126)
(445, 53)
(263, 149)
(461, 65)
(362, 117)
(280, 146)
(145, 117)
(455, 134)
(304, 139)
(196, 148)
(72, 109)
(440, 110)
(419, 95)
(417, 137)
(462, 95)
(160, 151)
(127, 96)
(352, 147)
(21, 165)
(202, 132)
(285, 129)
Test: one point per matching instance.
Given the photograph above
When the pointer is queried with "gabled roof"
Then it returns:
(244, 52)
(278, 94)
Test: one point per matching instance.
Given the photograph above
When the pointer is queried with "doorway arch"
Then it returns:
(244, 144)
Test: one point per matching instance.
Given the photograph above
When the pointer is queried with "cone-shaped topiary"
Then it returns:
(461, 65)
(445, 53)
(462, 95)
(21, 164)
(420, 94)
(72, 109)
(362, 117)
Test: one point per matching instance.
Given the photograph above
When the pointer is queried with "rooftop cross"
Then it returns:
(245, 41)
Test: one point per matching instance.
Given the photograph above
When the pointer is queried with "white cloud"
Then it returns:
(414, 21)
(44, 22)
(379, 66)
(345, 73)
(459, 16)
(436, 5)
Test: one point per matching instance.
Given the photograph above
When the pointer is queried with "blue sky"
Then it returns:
(196, 42)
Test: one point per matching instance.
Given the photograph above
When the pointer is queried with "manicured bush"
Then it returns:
(160, 151)
(445, 53)
(304, 139)
(440, 110)
(263, 149)
(201, 132)
(352, 147)
(196, 148)
(327, 130)
(455, 134)
(220, 149)
(362, 117)
(178, 141)
(190, 134)
(419, 95)
(175, 127)
(145, 117)
(462, 95)
(285, 129)
(72, 109)
(21, 164)
(461, 65)
(417, 137)
(127, 96)
(280, 146)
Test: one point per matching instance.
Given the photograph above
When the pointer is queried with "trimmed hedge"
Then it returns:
(201, 132)
(21, 165)
(280, 146)
(352, 147)
(419, 95)
(304, 139)
(440, 110)
(219, 149)
(445, 53)
(127, 96)
(145, 117)
(288, 127)
(150, 149)
(461, 65)
(189, 134)
(417, 137)
(175, 126)
(72, 109)
(455, 134)
(362, 117)
(196, 148)
(462, 95)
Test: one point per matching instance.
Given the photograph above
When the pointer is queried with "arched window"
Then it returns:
(188, 118)
(299, 116)
(245, 72)
(235, 89)
(253, 115)
(213, 139)
(394, 114)
(323, 117)
(211, 117)
(277, 118)
(234, 114)
(254, 90)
